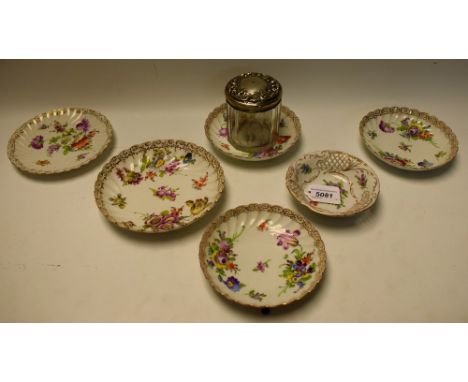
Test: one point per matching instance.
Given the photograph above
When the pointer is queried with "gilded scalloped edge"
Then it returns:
(420, 114)
(160, 143)
(284, 109)
(303, 222)
(11, 143)
(366, 202)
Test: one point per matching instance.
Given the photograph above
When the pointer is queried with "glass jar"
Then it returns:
(253, 111)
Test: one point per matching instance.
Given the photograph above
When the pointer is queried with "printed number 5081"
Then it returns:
(321, 194)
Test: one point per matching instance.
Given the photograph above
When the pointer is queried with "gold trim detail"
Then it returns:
(284, 110)
(433, 120)
(38, 118)
(305, 224)
(368, 197)
(160, 143)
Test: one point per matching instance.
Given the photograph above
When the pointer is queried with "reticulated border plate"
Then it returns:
(159, 186)
(358, 184)
(261, 255)
(217, 133)
(408, 139)
(59, 140)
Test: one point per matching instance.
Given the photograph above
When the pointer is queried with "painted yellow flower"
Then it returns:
(220, 259)
(159, 163)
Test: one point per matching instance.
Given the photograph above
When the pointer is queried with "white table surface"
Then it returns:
(405, 260)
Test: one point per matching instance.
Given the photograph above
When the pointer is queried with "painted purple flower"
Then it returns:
(221, 258)
(404, 122)
(166, 220)
(272, 151)
(172, 166)
(128, 176)
(261, 266)
(223, 132)
(224, 246)
(300, 267)
(37, 142)
(385, 127)
(425, 163)
(413, 131)
(53, 148)
(233, 284)
(287, 239)
(83, 125)
(165, 193)
(361, 179)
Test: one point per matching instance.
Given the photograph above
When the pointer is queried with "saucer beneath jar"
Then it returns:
(217, 133)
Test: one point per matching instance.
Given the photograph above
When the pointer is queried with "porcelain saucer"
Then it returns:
(217, 133)
(357, 183)
(408, 139)
(262, 255)
(59, 140)
(159, 186)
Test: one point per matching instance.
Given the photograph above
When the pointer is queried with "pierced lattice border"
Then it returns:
(367, 200)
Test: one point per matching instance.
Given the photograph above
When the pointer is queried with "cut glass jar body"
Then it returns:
(253, 131)
(253, 111)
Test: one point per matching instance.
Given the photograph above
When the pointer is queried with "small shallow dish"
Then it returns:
(358, 184)
(217, 133)
(408, 139)
(159, 186)
(59, 140)
(262, 256)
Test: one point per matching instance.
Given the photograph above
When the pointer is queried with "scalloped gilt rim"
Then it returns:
(263, 207)
(297, 192)
(60, 111)
(140, 148)
(453, 141)
(284, 110)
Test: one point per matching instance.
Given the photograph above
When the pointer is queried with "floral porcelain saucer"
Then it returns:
(217, 133)
(159, 186)
(357, 183)
(59, 140)
(408, 139)
(262, 256)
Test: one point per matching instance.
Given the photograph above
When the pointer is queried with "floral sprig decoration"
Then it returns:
(298, 270)
(160, 164)
(222, 258)
(361, 179)
(261, 266)
(67, 139)
(165, 193)
(414, 129)
(288, 238)
(165, 221)
(119, 200)
(396, 159)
